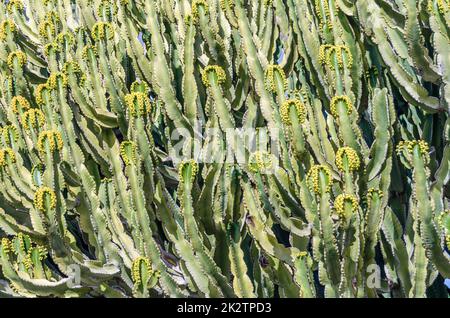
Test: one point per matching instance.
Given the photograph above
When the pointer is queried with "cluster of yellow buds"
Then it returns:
(226, 4)
(19, 104)
(271, 75)
(217, 71)
(196, 4)
(50, 48)
(72, 67)
(128, 152)
(141, 266)
(47, 29)
(286, 108)
(139, 87)
(102, 31)
(42, 196)
(345, 100)
(10, 135)
(6, 245)
(138, 104)
(323, 5)
(260, 161)
(55, 79)
(87, 50)
(65, 38)
(340, 203)
(407, 148)
(328, 53)
(15, 5)
(39, 93)
(443, 6)
(33, 118)
(50, 138)
(17, 56)
(314, 179)
(107, 8)
(7, 155)
(185, 164)
(373, 193)
(6, 27)
(347, 158)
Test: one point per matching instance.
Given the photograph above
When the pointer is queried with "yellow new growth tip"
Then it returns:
(285, 111)
(184, 165)
(102, 31)
(347, 158)
(196, 4)
(215, 69)
(52, 138)
(139, 266)
(272, 74)
(138, 104)
(7, 154)
(344, 99)
(260, 161)
(128, 152)
(314, 179)
(18, 56)
(19, 103)
(43, 196)
(340, 202)
(7, 26)
(33, 118)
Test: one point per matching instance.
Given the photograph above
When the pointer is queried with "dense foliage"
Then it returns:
(257, 148)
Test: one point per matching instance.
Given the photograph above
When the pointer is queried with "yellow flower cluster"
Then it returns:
(443, 6)
(7, 26)
(10, 133)
(6, 245)
(183, 165)
(440, 221)
(319, 4)
(128, 152)
(33, 118)
(87, 49)
(18, 56)
(72, 67)
(15, 4)
(313, 178)
(52, 138)
(102, 31)
(371, 193)
(107, 7)
(270, 78)
(347, 154)
(39, 92)
(138, 104)
(47, 29)
(65, 38)
(341, 98)
(224, 4)
(328, 52)
(299, 108)
(136, 269)
(407, 147)
(217, 70)
(51, 47)
(7, 154)
(341, 200)
(19, 103)
(41, 196)
(55, 78)
(139, 87)
(196, 4)
(260, 161)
